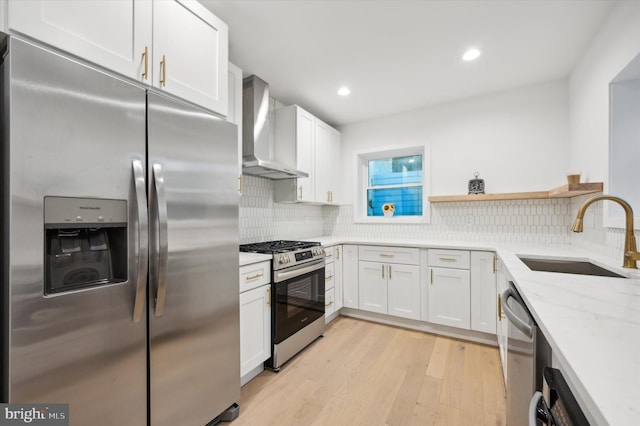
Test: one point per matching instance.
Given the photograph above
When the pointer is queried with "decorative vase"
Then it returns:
(388, 209)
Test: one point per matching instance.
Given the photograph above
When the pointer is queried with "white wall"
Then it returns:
(615, 45)
(518, 140)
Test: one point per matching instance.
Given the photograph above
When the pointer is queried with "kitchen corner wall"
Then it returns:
(262, 219)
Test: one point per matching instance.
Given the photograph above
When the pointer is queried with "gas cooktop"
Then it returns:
(280, 246)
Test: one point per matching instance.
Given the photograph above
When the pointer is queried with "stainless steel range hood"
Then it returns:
(258, 145)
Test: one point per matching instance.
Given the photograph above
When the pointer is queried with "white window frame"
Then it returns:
(362, 167)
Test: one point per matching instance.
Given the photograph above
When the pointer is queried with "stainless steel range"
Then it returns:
(297, 296)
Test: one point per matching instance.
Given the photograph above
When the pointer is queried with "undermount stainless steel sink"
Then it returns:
(564, 266)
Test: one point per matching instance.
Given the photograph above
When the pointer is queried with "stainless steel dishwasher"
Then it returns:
(527, 354)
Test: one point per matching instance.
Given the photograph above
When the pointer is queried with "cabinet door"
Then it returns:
(112, 34)
(334, 166)
(483, 292)
(449, 297)
(323, 167)
(338, 275)
(305, 140)
(501, 328)
(190, 53)
(350, 281)
(403, 292)
(255, 328)
(372, 286)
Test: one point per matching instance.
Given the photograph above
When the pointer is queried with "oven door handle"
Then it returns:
(296, 271)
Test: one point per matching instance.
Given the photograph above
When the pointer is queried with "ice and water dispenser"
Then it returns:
(85, 243)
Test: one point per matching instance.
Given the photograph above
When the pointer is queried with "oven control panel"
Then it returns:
(288, 259)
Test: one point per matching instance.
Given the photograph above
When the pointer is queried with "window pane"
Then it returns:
(407, 201)
(395, 171)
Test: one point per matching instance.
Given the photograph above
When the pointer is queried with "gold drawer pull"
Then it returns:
(431, 275)
(385, 255)
(328, 304)
(447, 259)
(499, 307)
(329, 277)
(253, 277)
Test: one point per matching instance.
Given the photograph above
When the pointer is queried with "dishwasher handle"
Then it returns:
(524, 326)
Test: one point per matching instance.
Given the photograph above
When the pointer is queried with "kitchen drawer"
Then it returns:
(405, 255)
(255, 275)
(329, 302)
(329, 276)
(329, 254)
(458, 259)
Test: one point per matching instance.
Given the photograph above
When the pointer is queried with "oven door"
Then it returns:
(299, 298)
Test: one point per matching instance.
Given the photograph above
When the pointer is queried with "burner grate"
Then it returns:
(278, 246)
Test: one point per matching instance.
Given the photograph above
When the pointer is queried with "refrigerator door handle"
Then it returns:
(159, 261)
(139, 184)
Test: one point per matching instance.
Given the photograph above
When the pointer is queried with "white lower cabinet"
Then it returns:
(255, 328)
(350, 280)
(403, 298)
(483, 291)
(388, 287)
(449, 297)
(501, 327)
(372, 287)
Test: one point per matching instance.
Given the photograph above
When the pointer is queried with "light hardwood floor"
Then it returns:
(363, 373)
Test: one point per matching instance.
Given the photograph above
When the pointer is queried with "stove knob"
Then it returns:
(281, 260)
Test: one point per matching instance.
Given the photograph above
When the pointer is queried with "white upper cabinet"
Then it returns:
(177, 46)
(112, 34)
(314, 147)
(190, 53)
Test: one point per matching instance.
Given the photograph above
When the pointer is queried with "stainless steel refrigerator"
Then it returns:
(120, 247)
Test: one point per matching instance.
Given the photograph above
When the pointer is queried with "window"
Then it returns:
(392, 185)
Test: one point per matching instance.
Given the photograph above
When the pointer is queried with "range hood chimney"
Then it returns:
(257, 146)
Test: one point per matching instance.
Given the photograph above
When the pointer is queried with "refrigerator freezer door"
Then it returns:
(194, 350)
(73, 132)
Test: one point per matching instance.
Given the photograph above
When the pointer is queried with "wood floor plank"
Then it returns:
(364, 373)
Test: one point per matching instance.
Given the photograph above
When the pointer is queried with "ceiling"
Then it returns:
(400, 55)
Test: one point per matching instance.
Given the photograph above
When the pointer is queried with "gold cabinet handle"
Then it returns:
(328, 304)
(253, 277)
(300, 196)
(386, 255)
(269, 296)
(163, 65)
(495, 264)
(382, 266)
(390, 276)
(337, 253)
(240, 184)
(328, 255)
(145, 55)
(499, 307)
(431, 276)
(447, 259)
(328, 278)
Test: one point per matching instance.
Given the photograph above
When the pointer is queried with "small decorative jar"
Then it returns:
(388, 209)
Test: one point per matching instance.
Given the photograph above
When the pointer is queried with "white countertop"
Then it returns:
(592, 323)
(249, 258)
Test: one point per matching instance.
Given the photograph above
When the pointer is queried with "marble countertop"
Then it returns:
(249, 258)
(592, 323)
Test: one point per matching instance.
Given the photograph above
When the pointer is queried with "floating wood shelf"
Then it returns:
(565, 191)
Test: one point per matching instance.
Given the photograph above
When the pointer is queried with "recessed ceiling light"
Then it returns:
(471, 54)
(344, 91)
